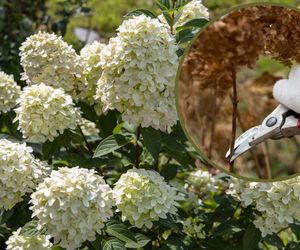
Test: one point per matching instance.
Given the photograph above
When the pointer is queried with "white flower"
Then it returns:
(192, 10)
(88, 128)
(139, 72)
(276, 202)
(44, 112)
(72, 204)
(194, 228)
(20, 242)
(203, 181)
(9, 92)
(20, 172)
(142, 196)
(46, 58)
(90, 56)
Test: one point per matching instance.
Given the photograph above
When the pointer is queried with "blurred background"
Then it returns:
(79, 21)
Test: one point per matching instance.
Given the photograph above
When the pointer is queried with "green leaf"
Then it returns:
(161, 5)
(121, 232)
(169, 171)
(164, 4)
(296, 230)
(51, 148)
(251, 238)
(30, 229)
(87, 111)
(169, 223)
(168, 18)
(139, 12)
(194, 23)
(97, 244)
(4, 230)
(56, 247)
(141, 241)
(5, 215)
(172, 144)
(274, 240)
(118, 128)
(227, 227)
(152, 141)
(111, 144)
(174, 243)
(184, 36)
(113, 244)
(107, 123)
(292, 246)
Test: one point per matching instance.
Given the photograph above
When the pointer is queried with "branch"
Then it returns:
(86, 142)
(234, 99)
(268, 173)
(173, 17)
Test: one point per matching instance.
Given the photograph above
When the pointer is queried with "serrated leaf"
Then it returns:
(141, 241)
(121, 232)
(152, 141)
(111, 144)
(139, 12)
(251, 238)
(113, 244)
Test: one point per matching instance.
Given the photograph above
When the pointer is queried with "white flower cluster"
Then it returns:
(90, 55)
(202, 181)
(194, 228)
(20, 242)
(72, 204)
(192, 10)
(142, 196)
(20, 172)
(9, 92)
(139, 71)
(276, 202)
(44, 112)
(88, 128)
(47, 59)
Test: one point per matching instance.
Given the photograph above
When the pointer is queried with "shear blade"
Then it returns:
(241, 144)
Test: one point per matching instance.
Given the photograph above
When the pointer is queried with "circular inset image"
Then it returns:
(239, 92)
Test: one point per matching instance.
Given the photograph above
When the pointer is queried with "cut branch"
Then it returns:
(234, 99)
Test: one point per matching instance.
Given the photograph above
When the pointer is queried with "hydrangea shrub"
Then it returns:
(92, 155)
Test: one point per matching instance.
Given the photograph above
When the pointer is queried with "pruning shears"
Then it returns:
(281, 123)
